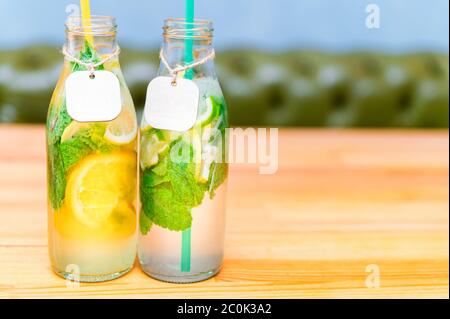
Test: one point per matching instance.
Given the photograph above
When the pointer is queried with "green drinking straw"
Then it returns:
(189, 41)
(189, 74)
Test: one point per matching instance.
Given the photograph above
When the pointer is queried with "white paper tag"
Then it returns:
(93, 100)
(171, 107)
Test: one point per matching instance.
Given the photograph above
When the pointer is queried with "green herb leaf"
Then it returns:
(161, 168)
(217, 176)
(169, 190)
(163, 209)
(62, 156)
(84, 142)
(59, 120)
(185, 186)
(56, 176)
(145, 223)
(88, 54)
(150, 179)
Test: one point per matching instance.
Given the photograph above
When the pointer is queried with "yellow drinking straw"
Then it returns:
(86, 20)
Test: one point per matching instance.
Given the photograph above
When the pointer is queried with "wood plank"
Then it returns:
(340, 201)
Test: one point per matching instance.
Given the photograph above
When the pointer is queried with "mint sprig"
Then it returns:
(169, 190)
(86, 141)
(60, 157)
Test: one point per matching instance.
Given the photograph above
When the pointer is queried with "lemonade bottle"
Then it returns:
(183, 173)
(91, 165)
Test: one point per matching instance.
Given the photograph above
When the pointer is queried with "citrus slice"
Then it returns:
(123, 219)
(196, 140)
(98, 184)
(166, 135)
(203, 176)
(122, 223)
(210, 112)
(122, 130)
(152, 144)
(145, 128)
(209, 156)
(73, 128)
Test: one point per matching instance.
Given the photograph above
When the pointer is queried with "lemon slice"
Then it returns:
(98, 184)
(122, 223)
(122, 130)
(72, 129)
(146, 128)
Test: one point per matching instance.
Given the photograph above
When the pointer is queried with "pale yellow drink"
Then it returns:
(92, 170)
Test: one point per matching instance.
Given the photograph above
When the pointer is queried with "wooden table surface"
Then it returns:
(344, 209)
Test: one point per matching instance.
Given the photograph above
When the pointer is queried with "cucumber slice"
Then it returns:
(152, 144)
(209, 156)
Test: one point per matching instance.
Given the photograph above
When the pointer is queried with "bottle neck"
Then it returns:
(187, 42)
(102, 45)
(176, 53)
(99, 33)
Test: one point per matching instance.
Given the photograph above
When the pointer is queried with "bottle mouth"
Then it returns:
(179, 28)
(99, 25)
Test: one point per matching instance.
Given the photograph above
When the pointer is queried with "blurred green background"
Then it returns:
(302, 73)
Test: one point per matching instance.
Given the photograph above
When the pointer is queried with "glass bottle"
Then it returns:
(91, 169)
(182, 217)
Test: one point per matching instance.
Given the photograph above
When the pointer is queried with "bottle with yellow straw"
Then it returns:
(91, 157)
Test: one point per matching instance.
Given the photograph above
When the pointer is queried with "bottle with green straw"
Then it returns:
(182, 217)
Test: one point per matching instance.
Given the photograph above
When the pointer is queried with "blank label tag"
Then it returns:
(93, 100)
(171, 107)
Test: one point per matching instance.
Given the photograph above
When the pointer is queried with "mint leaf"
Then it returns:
(87, 55)
(59, 119)
(145, 223)
(93, 136)
(169, 190)
(150, 179)
(73, 151)
(161, 168)
(219, 171)
(217, 176)
(62, 156)
(163, 209)
(84, 142)
(185, 186)
(56, 176)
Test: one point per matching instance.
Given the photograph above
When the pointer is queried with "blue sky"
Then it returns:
(337, 25)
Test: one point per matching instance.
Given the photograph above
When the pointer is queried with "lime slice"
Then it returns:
(152, 144)
(162, 134)
(122, 130)
(209, 113)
